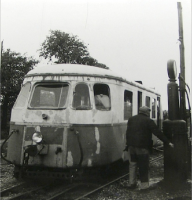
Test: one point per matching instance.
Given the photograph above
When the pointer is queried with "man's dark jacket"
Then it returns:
(139, 131)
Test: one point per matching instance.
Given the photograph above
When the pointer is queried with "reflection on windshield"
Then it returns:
(50, 96)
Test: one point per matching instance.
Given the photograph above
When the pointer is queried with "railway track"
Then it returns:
(14, 187)
(25, 189)
(53, 191)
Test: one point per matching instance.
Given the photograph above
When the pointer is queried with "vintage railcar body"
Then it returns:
(80, 113)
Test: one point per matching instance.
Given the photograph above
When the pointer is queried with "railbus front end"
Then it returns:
(70, 117)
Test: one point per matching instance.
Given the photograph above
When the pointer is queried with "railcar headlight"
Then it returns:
(37, 137)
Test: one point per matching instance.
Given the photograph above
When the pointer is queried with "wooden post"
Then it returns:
(1, 50)
(182, 65)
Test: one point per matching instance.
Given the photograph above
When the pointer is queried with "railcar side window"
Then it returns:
(102, 96)
(81, 97)
(23, 96)
(153, 108)
(127, 104)
(139, 100)
(158, 112)
(147, 101)
(49, 96)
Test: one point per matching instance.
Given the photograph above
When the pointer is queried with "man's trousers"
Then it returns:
(139, 158)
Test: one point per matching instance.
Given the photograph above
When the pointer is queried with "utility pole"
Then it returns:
(182, 65)
(182, 85)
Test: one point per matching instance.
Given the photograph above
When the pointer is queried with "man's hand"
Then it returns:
(171, 145)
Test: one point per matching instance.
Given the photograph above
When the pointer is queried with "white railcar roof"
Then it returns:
(81, 70)
(70, 69)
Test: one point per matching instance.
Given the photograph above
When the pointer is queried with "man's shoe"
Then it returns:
(147, 189)
(133, 186)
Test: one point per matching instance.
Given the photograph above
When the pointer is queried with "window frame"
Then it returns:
(154, 108)
(109, 95)
(139, 100)
(131, 93)
(87, 108)
(46, 84)
(148, 101)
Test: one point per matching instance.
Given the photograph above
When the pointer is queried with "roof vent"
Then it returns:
(140, 82)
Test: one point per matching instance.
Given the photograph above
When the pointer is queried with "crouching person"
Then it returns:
(138, 143)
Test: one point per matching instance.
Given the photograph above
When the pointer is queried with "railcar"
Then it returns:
(70, 117)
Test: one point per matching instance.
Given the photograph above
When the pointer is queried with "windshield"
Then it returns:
(49, 96)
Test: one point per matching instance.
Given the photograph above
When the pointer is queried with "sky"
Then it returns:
(134, 38)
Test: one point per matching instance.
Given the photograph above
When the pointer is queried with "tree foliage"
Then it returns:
(13, 69)
(65, 48)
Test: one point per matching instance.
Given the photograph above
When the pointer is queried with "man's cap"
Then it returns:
(144, 109)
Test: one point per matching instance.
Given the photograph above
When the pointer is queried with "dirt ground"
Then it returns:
(158, 189)
(118, 190)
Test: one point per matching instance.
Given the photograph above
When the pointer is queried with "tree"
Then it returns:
(13, 69)
(65, 48)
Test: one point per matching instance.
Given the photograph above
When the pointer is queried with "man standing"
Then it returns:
(139, 142)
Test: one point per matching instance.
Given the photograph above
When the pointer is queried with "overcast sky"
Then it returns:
(133, 37)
